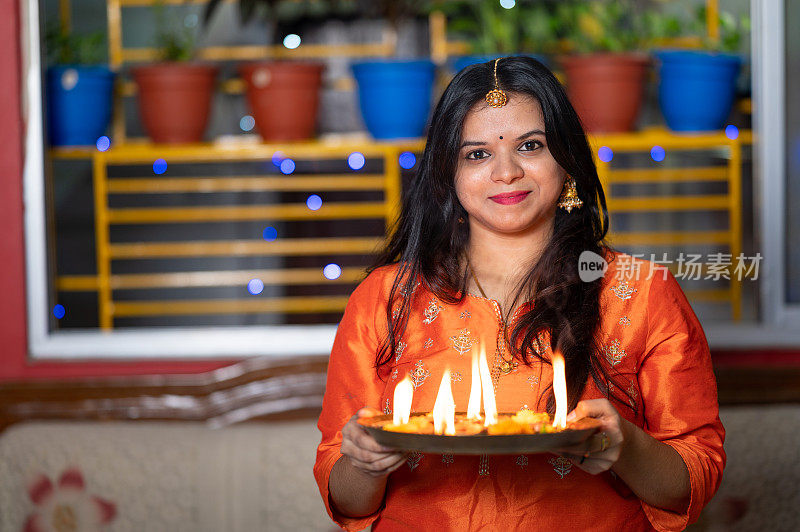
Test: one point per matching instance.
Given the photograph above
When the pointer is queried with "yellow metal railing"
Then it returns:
(729, 202)
(106, 282)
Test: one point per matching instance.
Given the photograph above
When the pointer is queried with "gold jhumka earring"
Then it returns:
(569, 196)
(497, 96)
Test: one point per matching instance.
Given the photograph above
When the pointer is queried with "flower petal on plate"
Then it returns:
(40, 489)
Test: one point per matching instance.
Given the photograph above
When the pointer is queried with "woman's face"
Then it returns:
(506, 178)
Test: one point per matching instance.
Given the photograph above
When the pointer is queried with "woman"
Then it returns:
(505, 201)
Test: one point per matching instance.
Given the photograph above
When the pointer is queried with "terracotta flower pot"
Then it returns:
(175, 100)
(283, 97)
(606, 89)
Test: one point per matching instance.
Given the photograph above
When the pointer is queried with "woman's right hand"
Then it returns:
(365, 454)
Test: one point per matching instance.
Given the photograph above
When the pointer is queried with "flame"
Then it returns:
(474, 407)
(489, 405)
(560, 390)
(444, 408)
(403, 395)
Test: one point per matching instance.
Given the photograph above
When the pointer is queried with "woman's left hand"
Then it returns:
(602, 450)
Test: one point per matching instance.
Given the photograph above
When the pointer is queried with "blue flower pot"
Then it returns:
(79, 103)
(696, 88)
(395, 97)
(464, 61)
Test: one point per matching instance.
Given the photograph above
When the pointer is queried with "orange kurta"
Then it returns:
(649, 335)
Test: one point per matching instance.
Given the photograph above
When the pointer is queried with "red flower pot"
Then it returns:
(175, 100)
(283, 97)
(606, 89)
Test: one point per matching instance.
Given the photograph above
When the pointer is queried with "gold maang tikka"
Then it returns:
(497, 96)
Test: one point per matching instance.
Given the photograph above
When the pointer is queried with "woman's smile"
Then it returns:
(510, 198)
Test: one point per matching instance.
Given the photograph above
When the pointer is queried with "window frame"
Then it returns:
(172, 343)
(775, 328)
(770, 90)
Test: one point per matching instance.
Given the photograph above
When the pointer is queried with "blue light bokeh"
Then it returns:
(356, 160)
(247, 123)
(159, 166)
(277, 157)
(314, 202)
(291, 41)
(732, 132)
(605, 154)
(59, 311)
(103, 143)
(287, 166)
(332, 271)
(658, 153)
(255, 286)
(407, 160)
(270, 234)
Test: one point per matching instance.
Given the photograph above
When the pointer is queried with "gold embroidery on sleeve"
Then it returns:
(432, 312)
(623, 290)
(614, 353)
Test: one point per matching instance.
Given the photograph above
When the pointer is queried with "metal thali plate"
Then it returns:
(578, 432)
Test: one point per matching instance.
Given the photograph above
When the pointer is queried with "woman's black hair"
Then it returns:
(429, 243)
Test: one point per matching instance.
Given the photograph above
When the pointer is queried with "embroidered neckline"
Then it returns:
(496, 305)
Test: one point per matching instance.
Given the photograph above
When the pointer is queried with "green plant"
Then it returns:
(659, 26)
(73, 49)
(603, 25)
(174, 39)
(731, 30)
(488, 27)
(528, 26)
(540, 27)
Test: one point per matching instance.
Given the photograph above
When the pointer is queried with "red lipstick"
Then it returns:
(510, 198)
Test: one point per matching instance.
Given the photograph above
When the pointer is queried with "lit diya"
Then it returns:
(444, 430)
